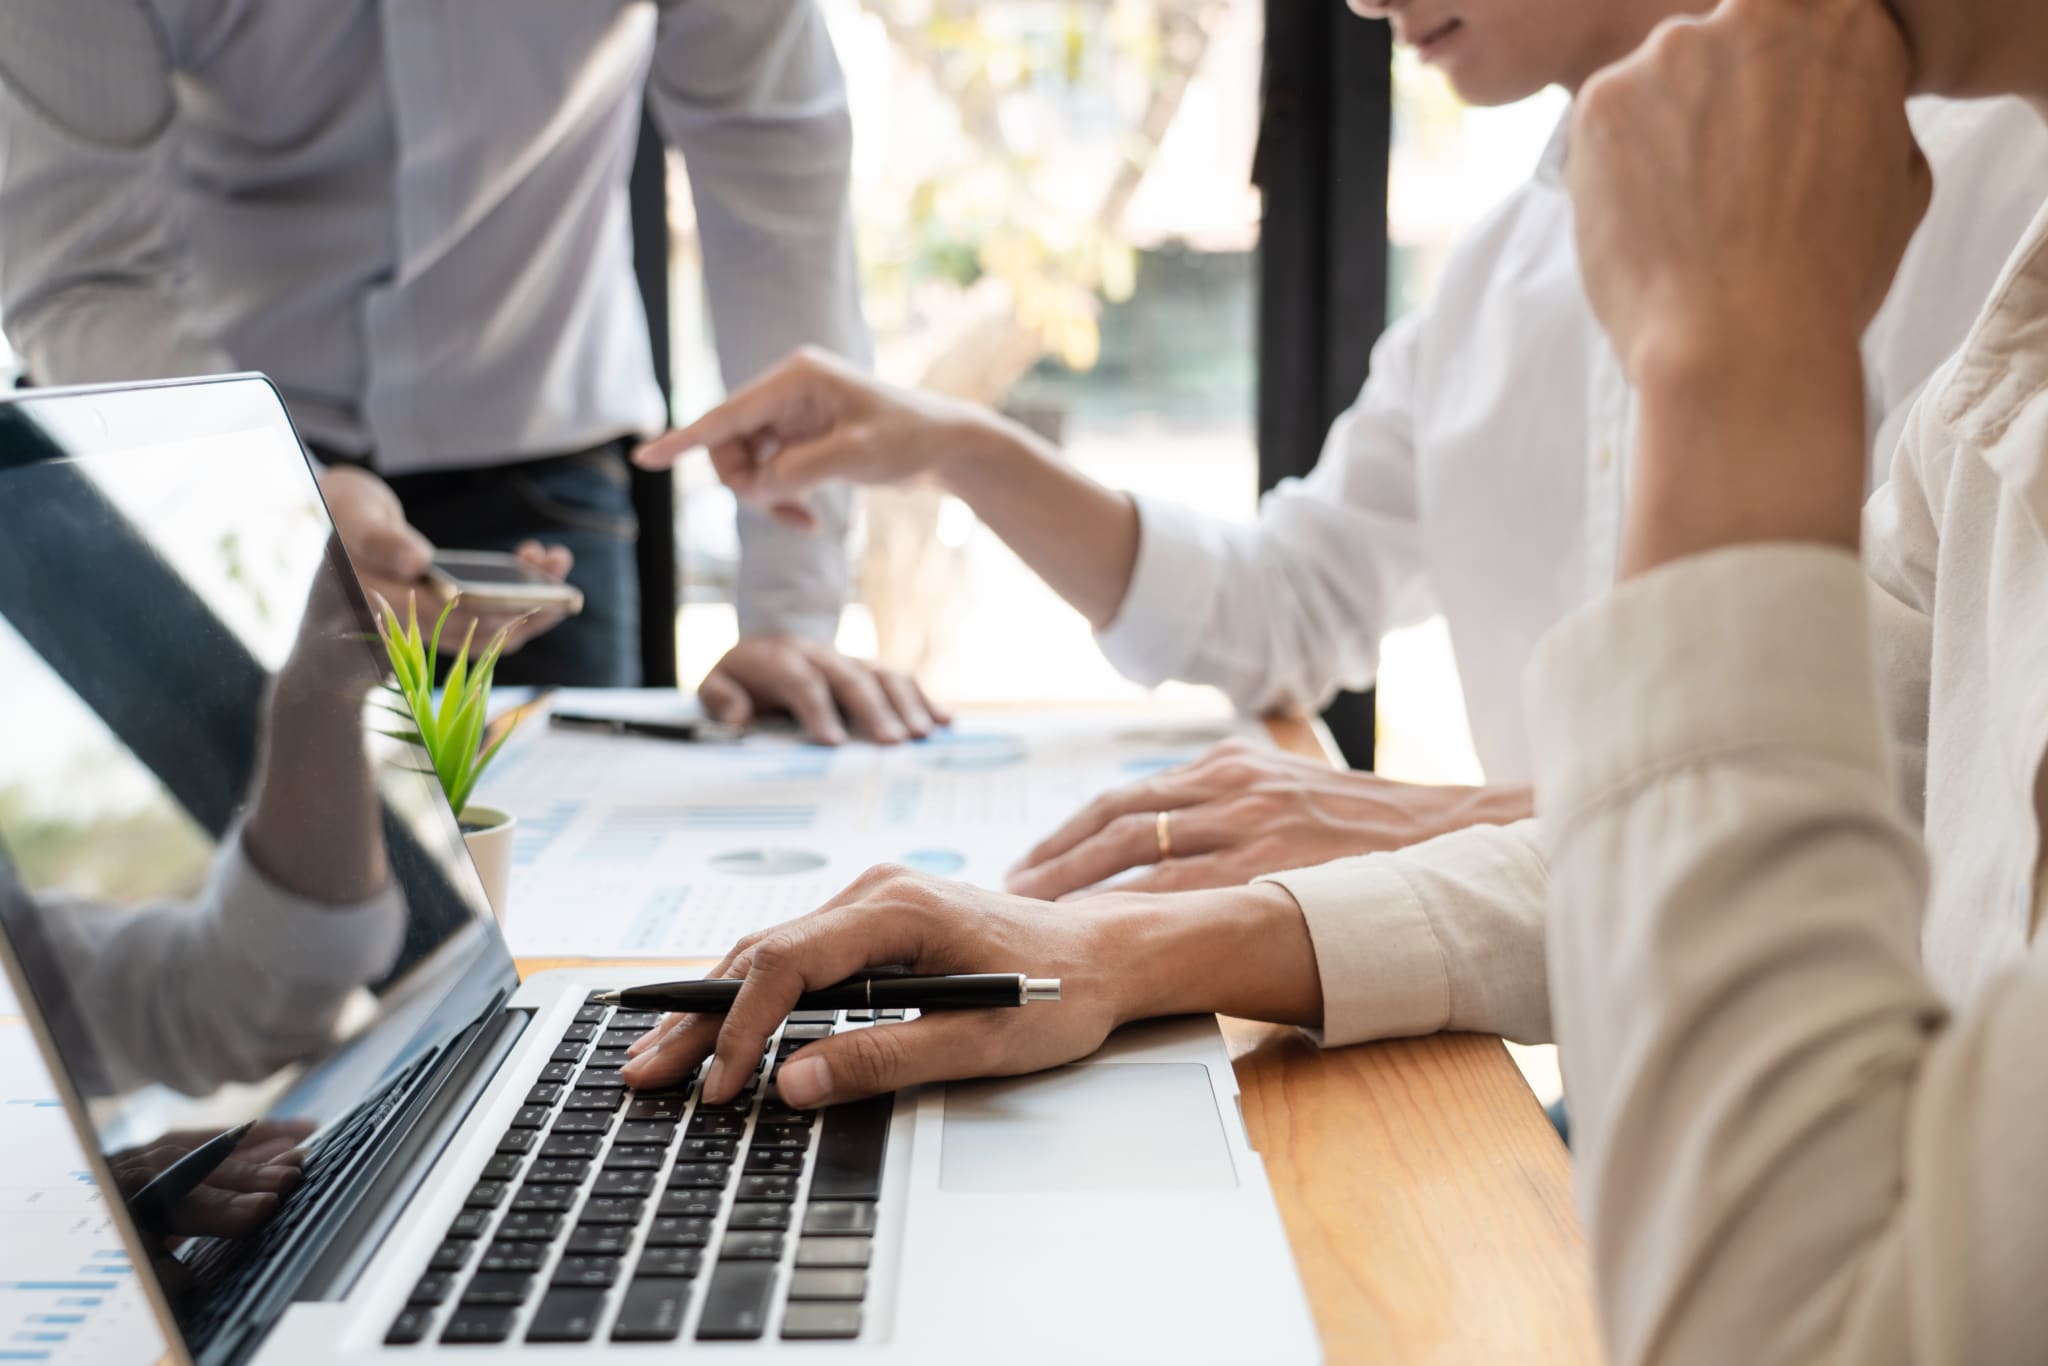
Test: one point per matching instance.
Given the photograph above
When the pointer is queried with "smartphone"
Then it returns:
(493, 581)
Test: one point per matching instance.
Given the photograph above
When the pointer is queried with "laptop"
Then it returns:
(334, 1125)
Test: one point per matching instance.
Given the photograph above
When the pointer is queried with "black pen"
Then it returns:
(657, 730)
(153, 1205)
(968, 991)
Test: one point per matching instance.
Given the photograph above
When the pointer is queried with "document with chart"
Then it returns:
(636, 847)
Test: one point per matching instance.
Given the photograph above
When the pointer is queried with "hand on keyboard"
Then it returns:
(893, 916)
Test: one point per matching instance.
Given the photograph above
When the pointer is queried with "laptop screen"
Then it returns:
(240, 911)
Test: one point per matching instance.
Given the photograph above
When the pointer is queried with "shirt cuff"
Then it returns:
(1171, 597)
(1761, 647)
(1382, 970)
(311, 942)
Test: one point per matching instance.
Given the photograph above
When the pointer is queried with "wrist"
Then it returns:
(1234, 951)
(981, 452)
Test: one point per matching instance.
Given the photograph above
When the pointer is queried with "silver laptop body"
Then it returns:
(334, 1125)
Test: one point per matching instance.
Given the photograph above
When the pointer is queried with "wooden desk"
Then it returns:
(1426, 1195)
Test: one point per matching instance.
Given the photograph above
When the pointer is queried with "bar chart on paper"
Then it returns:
(67, 1289)
(633, 847)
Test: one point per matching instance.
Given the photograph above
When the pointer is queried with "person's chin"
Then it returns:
(1476, 85)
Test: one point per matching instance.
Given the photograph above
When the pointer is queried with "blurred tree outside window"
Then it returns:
(1055, 216)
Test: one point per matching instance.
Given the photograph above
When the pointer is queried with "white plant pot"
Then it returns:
(489, 833)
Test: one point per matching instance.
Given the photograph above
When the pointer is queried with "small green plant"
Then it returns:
(451, 733)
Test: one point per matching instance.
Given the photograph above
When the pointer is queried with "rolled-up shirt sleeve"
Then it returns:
(1785, 1150)
(1284, 612)
(751, 93)
(1445, 935)
(230, 987)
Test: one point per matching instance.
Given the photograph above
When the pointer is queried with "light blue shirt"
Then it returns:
(412, 215)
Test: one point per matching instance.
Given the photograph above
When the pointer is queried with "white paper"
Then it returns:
(67, 1289)
(635, 847)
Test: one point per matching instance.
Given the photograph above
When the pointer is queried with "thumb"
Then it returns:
(883, 1058)
(796, 470)
(724, 700)
(395, 550)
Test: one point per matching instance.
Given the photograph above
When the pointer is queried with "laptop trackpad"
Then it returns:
(1097, 1127)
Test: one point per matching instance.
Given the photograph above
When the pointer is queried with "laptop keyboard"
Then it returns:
(614, 1214)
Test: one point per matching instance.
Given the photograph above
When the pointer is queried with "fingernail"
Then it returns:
(804, 1082)
(892, 735)
(714, 1081)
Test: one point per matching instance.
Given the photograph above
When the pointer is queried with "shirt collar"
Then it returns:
(1550, 168)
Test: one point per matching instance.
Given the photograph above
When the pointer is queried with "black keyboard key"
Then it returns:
(544, 1094)
(608, 1057)
(531, 1117)
(778, 1189)
(556, 1072)
(601, 1079)
(703, 1176)
(842, 1252)
(449, 1256)
(618, 1038)
(670, 1261)
(571, 1145)
(503, 1167)
(509, 1256)
(601, 1240)
(558, 1171)
(716, 1126)
(804, 1017)
(892, 1013)
(736, 1301)
(518, 1141)
(613, 1210)
(860, 1016)
(775, 1112)
(707, 1150)
(642, 1020)
(486, 1194)
(583, 1122)
(433, 1288)
(593, 1098)
(652, 1310)
(751, 1247)
(593, 1273)
(647, 1131)
(817, 1283)
(781, 1136)
(580, 1032)
(774, 1162)
(566, 1315)
(471, 1223)
(772, 1217)
(545, 1199)
(409, 1327)
(850, 1153)
(635, 1159)
(497, 1287)
(656, 1107)
(840, 1217)
(805, 1032)
(479, 1323)
(688, 1204)
(819, 1320)
(623, 1183)
(537, 1228)
(592, 1014)
(679, 1232)
(567, 1052)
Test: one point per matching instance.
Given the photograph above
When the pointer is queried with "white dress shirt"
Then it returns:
(1482, 471)
(413, 216)
(1803, 1048)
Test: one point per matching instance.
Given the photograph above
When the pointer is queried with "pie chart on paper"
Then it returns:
(768, 862)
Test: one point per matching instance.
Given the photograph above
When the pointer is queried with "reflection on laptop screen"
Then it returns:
(243, 915)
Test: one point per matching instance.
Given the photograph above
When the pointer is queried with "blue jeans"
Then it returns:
(581, 501)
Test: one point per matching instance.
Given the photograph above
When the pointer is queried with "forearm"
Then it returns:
(1077, 535)
(314, 820)
(1242, 951)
